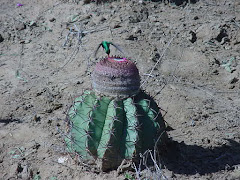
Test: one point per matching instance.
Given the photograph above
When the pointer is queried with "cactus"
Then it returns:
(116, 77)
(116, 121)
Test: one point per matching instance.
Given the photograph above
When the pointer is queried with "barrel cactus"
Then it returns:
(116, 120)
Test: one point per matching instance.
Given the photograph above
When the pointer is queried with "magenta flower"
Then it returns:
(19, 4)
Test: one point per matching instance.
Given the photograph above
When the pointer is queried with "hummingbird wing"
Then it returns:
(95, 53)
(117, 47)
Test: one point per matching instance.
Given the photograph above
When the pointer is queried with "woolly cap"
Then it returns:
(116, 77)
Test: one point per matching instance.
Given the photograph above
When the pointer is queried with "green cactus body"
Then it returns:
(114, 127)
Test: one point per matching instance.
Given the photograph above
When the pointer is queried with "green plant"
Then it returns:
(117, 121)
(129, 177)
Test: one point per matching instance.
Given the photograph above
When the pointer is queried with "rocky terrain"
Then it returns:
(188, 55)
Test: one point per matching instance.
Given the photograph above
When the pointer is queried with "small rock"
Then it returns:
(169, 174)
(57, 106)
(36, 118)
(205, 32)
(196, 18)
(144, 25)
(91, 24)
(224, 40)
(131, 38)
(235, 174)
(102, 19)
(1, 38)
(137, 30)
(13, 170)
(20, 26)
(233, 80)
(155, 57)
(215, 72)
(231, 86)
(192, 37)
(117, 19)
(27, 173)
(237, 39)
(80, 82)
(221, 35)
(25, 41)
(115, 25)
(134, 19)
(19, 168)
(86, 1)
(62, 159)
(152, 18)
(98, 19)
(52, 19)
(32, 24)
(48, 110)
(206, 140)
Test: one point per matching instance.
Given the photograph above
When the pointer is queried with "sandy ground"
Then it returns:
(196, 81)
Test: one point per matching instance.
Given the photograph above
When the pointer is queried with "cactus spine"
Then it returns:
(117, 121)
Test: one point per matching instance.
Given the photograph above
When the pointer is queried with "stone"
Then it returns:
(20, 26)
(233, 80)
(52, 19)
(192, 37)
(1, 38)
(131, 38)
(204, 32)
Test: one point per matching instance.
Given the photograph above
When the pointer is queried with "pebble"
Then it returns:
(13, 170)
(231, 86)
(137, 30)
(156, 57)
(20, 26)
(233, 80)
(26, 172)
(80, 82)
(169, 174)
(221, 36)
(237, 39)
(153, 18)
(131, 38)
(25, 41)
(206, 140)
(52, 19)
(115, 25)
(62, 159)
(86, 1)
(192, 37)
(134, 19)
(215, 72)
(204, 32)
(117, 19)
(98, 19)
(196, 18)
(1, 38)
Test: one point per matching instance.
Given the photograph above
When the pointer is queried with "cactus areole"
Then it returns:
(116, 121)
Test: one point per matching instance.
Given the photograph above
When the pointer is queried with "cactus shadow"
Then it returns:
(191, 159)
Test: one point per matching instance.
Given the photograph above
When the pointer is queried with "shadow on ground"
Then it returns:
(191, 159)
(176, 2)
(7, 121)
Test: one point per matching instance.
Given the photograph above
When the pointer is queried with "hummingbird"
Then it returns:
(106, 47)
